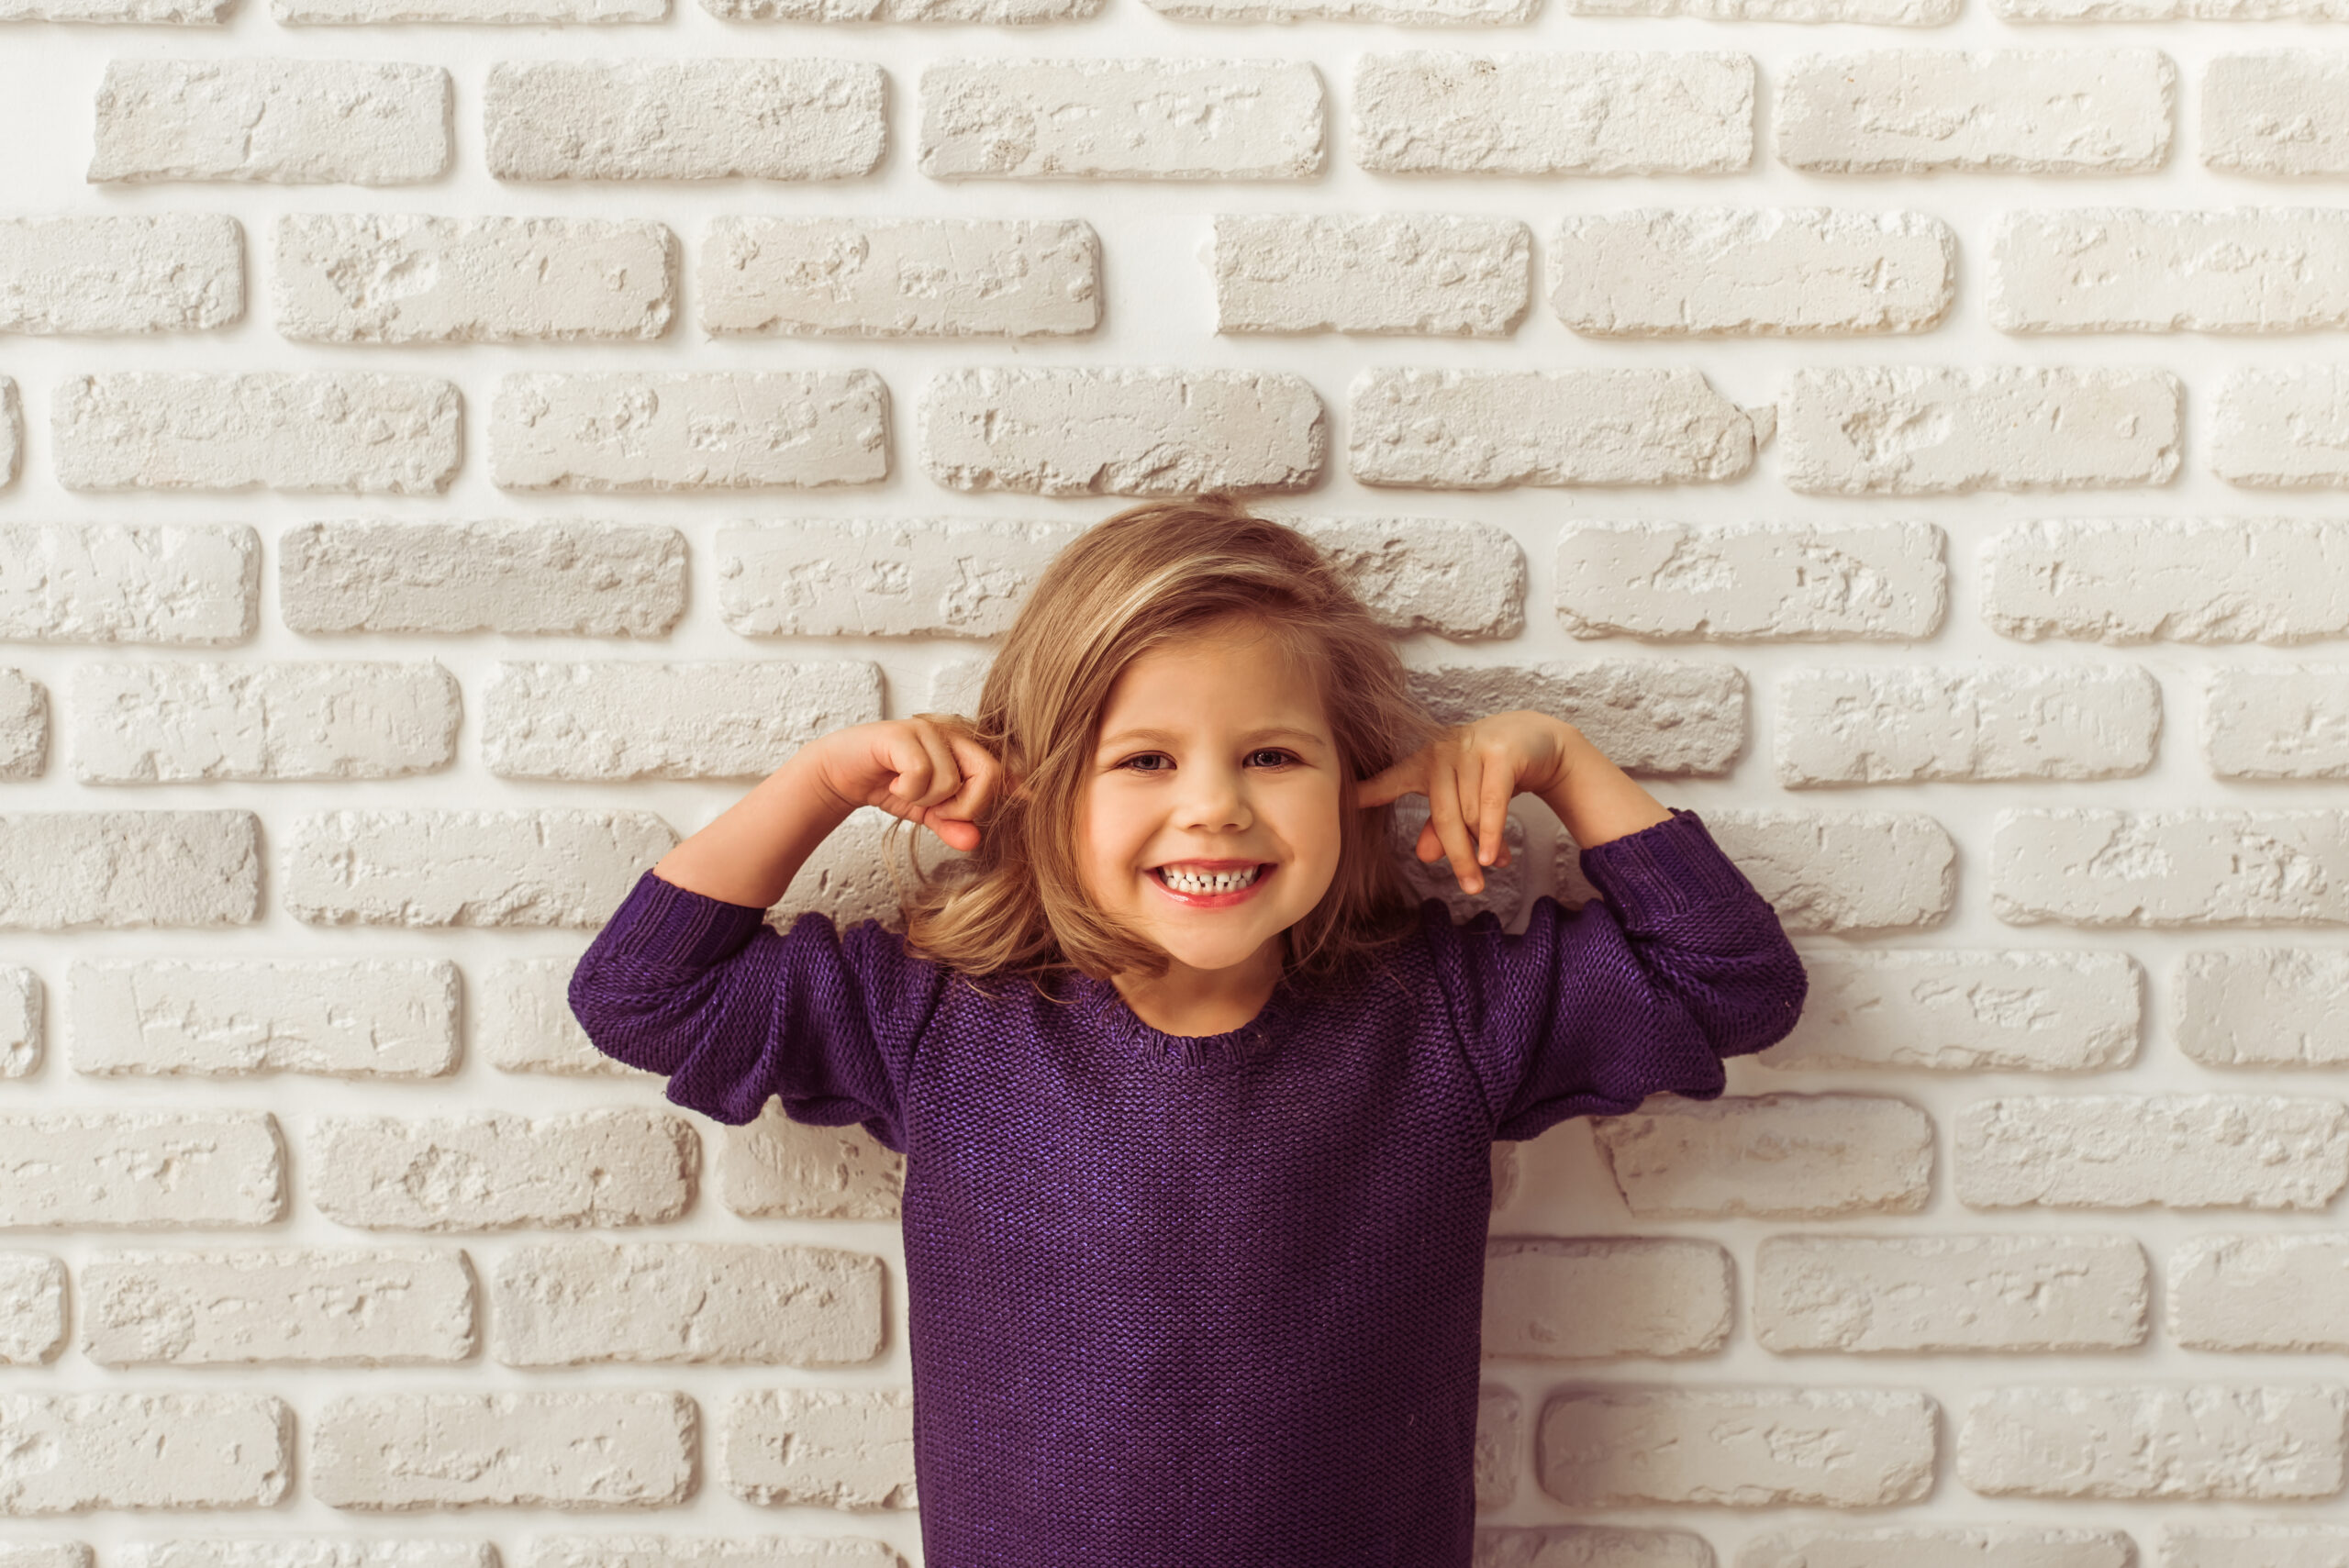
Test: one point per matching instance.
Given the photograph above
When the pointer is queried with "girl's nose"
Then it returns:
(1216, 801)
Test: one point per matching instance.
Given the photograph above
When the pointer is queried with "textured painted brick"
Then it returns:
(179, 723)
(2134, 269)
(1915, 111)
(578, 579)
(683, 120)
(289, 122)
(912, 277)
(20, 1010)
(1865, 1294)
(76, 870)
(1662, 271)
(1500, 1437)
(1751, 581)
(184, 583)
(280, 430)
(2091, 867)
(2260, 1293)
(1612, 112)
(2282, 723)
(1648, 718)
(1904, 724)
(1589, 1546)
(1966, 1011)
(1882, 13)
(1562, 1300)
(2282, 429)
(2187, 580)
(1923, 430)
(1120, 120)
(73, 1451)
(1770, 1155)
(831, 1448)
(453, 867)
(399, 278)
(489, 1171)
(573, 1303)
(32, 1308)
(359, 1017)
(140, 1168)
(2262, 1006)
(24, 726)
(859, 577)
(776, 1168)
(298, 1551)
(2131, 1150)
(1459, 580)
(1400, 13)
(523, 12)
(711, 1551)
(994, 13)
(1840, 1448)
(1948, 1546)
(1831, 870)
(610, 1449)
(178, 272)
(525, 1023)
(688, 431)
(2255, 1546)
(2279, 113)
(46, 1553)
(289, 1305)
(1490, 429)
(2203, 1442)
(176, 13)
(1381, 272)
(12, 431)
(1122, 431)
(729, 720)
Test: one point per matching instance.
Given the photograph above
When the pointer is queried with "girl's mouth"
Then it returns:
(1211, 890)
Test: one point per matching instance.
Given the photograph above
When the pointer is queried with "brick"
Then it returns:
(1924, 430)
(2260, 1293)
(1966, 1011)
(490, 1171)
(683, 120)
(1589, 1546)
(2279, 113)
(1880, 13)
(578, 1303)
(2201, 1441)
(577, 579)
(144, 1169)
(20, 1010)
(1501, 1438)
(46, 1554)
(181, 723)
(2188, 580)
(453, 867)
(859, 577)
(609, 1449)
(1608, 112)
(1752, 582)
(1871, 1294)
(178, 272)
(526, 1024)
(1840, 871)
(284, 1305)
(711, 1551)
(365, 12)
(1765, 271)
(372, 1018)
(74, 1452)
(155, 582)
(287, 122)
(172, 13)
(1949, 1546)
(2262, 1006)
(400, 278)
(689, 430)
(922, 277)
(1491, 430)
(777, 1168)
(1774, 1156)
(1460, 580)
(992, 13)
(2089, 867)
(1387, 273)
(1649, 717)
(1122, 431)
(1624, 1445)
(279, 430)
(634, 720)
(311, 1552)
(82, 869)
(12, 431)
(1398, 13)
(2011, 111)
(2255, 1546)
(2134, 269)
(24, 726)
(1575, 1298)
(1120, 120)
(1905, 724)
(2282, 429)
(830, 1448)
(2170, 1150)
(2279, 723)
(32, 1309)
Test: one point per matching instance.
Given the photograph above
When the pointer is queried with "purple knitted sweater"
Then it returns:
(1204, 1301)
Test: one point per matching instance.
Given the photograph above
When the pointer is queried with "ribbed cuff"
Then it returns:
(1664, 869)
(662, 923)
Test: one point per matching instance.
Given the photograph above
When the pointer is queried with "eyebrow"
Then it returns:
(1124, 735)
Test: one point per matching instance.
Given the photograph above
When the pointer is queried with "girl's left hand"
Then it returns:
(1469, 774)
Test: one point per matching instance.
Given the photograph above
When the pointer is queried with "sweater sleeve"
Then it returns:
(731, 1010)
(1679, 964)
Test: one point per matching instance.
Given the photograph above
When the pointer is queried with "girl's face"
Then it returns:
(1215, 764)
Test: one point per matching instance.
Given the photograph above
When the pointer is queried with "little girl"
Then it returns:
(1196, 1102)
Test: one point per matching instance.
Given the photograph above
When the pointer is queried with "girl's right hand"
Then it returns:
(928, 768)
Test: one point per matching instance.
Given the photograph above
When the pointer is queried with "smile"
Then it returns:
(1210, 890)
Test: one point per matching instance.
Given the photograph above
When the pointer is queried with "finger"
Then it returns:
(1430, 847)
(910, 766)
(982, 777)
(1499, 784)
(1393, 783)
(945, 777)
(1444, 812)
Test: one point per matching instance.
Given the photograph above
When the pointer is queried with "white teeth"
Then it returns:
(1208, 882)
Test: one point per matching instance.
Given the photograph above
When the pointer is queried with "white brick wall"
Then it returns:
(443, 460)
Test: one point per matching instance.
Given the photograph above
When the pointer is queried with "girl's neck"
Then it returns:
(1187, 1001)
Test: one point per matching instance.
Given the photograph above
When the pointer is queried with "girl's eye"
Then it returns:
(1278, 756)
(1146, 756)
(1272, 751)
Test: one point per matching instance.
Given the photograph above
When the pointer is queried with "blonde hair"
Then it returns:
(1145, 577)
